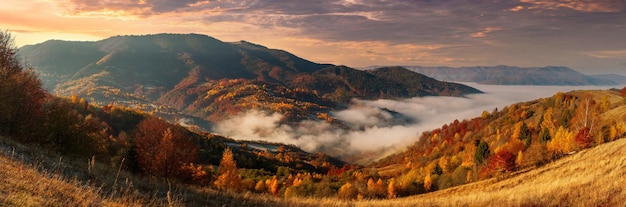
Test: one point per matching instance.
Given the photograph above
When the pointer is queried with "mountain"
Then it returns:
(421, 83)
(619, 79)
(510, 75)
(206, 78)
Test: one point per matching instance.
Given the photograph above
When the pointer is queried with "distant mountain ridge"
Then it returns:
(511, 75)
(619, 79)
(206, 78)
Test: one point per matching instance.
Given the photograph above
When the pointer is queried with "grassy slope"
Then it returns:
(592, 177)
(24, 185)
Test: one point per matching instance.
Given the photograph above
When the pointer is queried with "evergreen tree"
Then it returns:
(482, 152)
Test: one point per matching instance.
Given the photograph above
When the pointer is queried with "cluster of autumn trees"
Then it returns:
(519, 136)
(21, 95)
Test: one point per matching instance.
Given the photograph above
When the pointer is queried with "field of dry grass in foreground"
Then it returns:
(24, 185)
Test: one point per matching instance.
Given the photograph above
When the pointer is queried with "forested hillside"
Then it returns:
(517, 137)
(200, 77)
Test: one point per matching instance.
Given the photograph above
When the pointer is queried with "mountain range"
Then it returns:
(511, 75)
(209, 79)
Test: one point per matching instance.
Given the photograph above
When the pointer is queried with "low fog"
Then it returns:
(381, 123)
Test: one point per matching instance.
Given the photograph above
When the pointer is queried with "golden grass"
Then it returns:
(23, 185)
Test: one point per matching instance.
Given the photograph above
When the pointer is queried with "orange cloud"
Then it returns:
(517, 8)
(484, 32)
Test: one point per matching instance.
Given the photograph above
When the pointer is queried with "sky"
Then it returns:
(585, 35)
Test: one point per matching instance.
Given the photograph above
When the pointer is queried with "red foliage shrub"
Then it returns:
(583, 137)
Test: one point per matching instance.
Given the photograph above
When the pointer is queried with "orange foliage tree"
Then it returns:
(162, 148)
(228, 179)
(391, 189)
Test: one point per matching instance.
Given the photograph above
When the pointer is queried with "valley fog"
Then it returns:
(374, 125)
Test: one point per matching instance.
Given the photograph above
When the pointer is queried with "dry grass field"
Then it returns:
(23, 185)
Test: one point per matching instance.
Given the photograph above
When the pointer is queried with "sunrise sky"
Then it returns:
(587, 35)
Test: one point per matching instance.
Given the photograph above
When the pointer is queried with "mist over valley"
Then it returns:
(384, 125)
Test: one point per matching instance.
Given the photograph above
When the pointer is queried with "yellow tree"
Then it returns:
(273, 185)
(371, 187)
(549, 122)
(347, 191)
(260, 186)
(563, 141)
(227, 179)
(428, 182)
(391, 189)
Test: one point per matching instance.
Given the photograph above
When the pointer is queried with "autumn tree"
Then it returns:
(273, 185)
(228, 179)
(69, 131)
(21, 95)
(506, 160)
(586, 121)
(376, 189)
(563, 141)
(347, 191)
(428, 182)
(549, 122)
(163, 149)
(391, 189)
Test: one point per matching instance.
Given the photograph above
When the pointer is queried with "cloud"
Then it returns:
(578, 5)
(133, 7)
(517, 8)
(373, 126)
(484, 32)
(607, 54)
